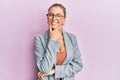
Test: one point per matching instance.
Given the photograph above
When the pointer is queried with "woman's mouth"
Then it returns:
(54, 23)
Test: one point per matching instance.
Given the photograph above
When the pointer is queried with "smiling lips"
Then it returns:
(53, 23)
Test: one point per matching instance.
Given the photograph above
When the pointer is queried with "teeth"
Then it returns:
(54, 22)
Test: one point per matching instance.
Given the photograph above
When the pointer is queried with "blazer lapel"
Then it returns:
(46, 35)
(69, 48)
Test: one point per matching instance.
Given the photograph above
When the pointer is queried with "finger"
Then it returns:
(41, 74)
(50, 28)
(42, 77)
(58, 28)
(49, 24)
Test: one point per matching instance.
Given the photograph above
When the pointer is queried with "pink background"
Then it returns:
(96, 23)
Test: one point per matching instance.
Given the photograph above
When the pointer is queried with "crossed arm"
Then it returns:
(41, 74)
(46, 59)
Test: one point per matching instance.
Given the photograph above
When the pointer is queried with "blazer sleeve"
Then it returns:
(72, 67)
(45, 57)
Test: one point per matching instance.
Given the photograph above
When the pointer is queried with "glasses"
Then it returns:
(58, 16)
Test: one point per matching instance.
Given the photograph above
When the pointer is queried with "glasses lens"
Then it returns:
(50, 15)
(58, 16)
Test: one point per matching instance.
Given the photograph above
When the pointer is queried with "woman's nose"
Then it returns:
(54, 17)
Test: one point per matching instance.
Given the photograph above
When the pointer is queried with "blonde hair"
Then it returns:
(59, 5)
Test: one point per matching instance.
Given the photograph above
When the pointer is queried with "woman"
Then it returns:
(57, 53)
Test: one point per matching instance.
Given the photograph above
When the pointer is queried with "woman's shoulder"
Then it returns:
(71, 37)
(69, 34)
(43, 35)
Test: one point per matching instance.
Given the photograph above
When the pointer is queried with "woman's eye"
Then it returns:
(58, 15)
(50, 15)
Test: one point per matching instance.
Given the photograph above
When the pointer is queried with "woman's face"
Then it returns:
(55, 17)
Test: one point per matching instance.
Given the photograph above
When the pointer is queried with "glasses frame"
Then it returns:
(57, 16)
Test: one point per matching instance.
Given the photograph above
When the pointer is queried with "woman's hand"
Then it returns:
(41, 75)
(51, 72)
(55, 34)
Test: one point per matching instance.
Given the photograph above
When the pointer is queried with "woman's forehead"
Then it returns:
(56, 9)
